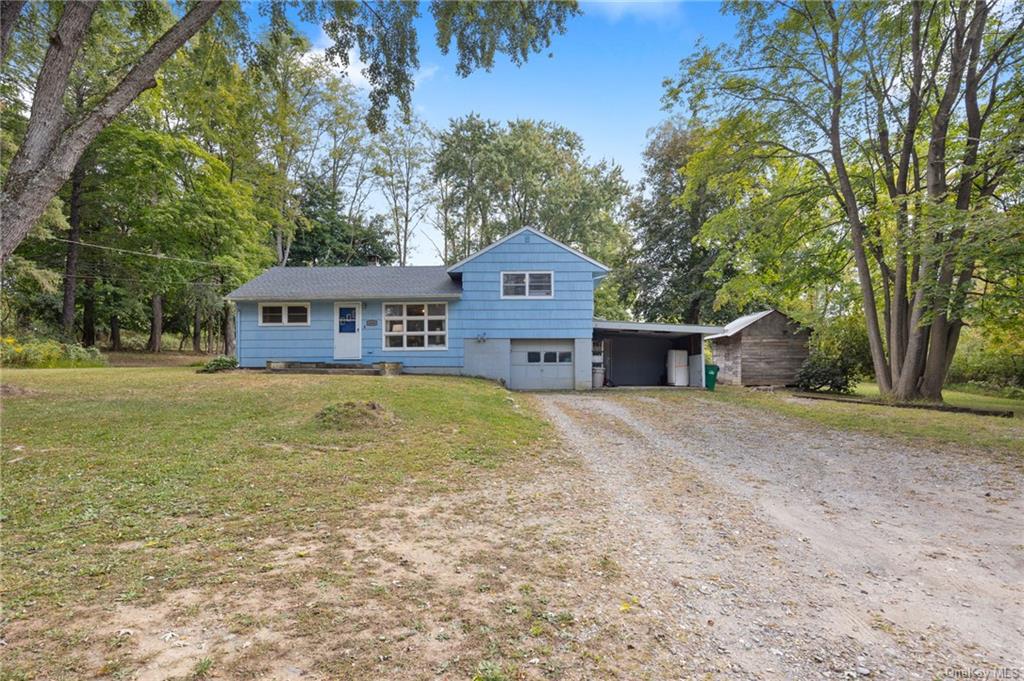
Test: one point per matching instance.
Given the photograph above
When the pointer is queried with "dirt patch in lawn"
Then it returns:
(519, 574)
(7, 391)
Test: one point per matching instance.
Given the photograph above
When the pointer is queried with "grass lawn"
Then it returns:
(998, 435)
(960, 399)
(124, 485)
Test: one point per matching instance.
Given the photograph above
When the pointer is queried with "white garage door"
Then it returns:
(542, 365)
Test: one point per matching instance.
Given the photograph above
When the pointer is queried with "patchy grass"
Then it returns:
(125, 486)
(959, 398)
(994, 434)
(167, 358)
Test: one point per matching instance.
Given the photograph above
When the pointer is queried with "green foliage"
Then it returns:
(839, 354)
(217, 364)
(494, 179)
(668, 274)
(808, 114)
(47, 354)
(843, 338)
(334, 238)
(490, 671)
(989, 363)
(821, 372)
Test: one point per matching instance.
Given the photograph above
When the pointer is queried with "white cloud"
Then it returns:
(353, 72)
(641, 10)
(425, 73)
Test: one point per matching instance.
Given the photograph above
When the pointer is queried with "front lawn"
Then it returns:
(124, 485)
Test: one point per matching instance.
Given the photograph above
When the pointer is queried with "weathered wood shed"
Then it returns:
(764, 348)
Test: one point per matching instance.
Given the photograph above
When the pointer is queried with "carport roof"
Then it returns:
(644, 327)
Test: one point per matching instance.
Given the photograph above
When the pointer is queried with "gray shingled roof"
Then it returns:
(334, 283)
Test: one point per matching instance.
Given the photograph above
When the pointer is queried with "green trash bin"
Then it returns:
(710, 376)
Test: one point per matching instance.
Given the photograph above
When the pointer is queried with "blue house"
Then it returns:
(520, 311)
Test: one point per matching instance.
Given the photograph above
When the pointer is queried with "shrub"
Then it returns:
(48, 354)
(219, 363)
(820, 372)
(844, 339)
(983, 360)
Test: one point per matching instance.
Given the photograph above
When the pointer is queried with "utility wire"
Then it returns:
(158, 256)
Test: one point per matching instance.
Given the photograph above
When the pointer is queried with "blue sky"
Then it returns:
(603, 78)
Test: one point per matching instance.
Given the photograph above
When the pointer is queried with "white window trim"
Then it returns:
(284, 314)
(384, 326)
(527, 296)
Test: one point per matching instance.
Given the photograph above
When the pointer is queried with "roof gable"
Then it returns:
(456, 268)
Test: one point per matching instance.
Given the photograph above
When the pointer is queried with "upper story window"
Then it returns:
(284, 314)
(527, 284)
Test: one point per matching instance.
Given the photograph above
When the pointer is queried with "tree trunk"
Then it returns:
(9, 12)
(115, 333)
(197, 329)
(89, 315)
(156, 323)
(67, 319)
(49, 152)
(228, 325)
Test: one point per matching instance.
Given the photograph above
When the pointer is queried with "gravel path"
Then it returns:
(778, 549)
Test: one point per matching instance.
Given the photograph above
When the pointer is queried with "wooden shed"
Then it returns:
(764, 348)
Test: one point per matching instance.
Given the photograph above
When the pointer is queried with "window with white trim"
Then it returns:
(284, 314)
(415, 326)
(527, 284)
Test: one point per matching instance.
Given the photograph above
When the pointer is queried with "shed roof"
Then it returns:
(334, 283)
(740, 323)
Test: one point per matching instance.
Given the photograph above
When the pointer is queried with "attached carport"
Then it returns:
(636, 353)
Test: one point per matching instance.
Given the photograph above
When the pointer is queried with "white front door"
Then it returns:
(348, 331)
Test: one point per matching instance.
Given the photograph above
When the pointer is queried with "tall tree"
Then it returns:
(384, 33)
(53, 143)
(668, 274)
(499, 178)
(402, 170)
(911, 116)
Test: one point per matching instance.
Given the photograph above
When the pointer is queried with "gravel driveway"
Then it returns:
(774, 548)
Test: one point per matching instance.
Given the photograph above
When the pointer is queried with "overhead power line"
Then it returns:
(158, 256)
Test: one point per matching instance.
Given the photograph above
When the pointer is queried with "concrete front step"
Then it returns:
(375, 369)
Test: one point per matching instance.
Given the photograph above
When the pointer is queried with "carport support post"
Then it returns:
(700, 362)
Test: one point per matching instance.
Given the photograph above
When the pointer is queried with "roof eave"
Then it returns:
(341, 296)
(644, 327)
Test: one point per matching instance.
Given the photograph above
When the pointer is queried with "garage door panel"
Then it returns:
(546, 372)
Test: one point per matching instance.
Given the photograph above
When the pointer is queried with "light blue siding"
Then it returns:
(315, 343)
(569, 314)
(480, 312)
